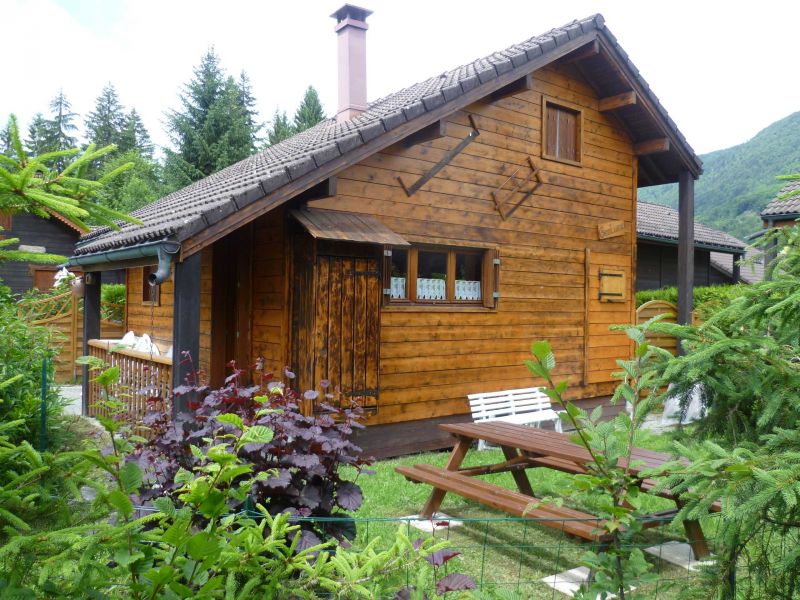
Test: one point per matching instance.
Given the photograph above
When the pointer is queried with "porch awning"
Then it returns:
(342, 226)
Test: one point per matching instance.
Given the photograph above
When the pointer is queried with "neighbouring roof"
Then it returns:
(660, 223)
(788, 207)
(189, 211)
(752, 272)
(343, 226)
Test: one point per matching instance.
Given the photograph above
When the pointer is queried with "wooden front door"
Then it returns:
(347, 327)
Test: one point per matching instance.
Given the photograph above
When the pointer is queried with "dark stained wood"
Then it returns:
(434, 131)
(303, 301)
(618, 101)
(523, 84)
(186, 324)
(590, 50)
(651, 146)
(91, 327)
(685, 247)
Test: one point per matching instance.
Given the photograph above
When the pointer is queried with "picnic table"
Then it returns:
(524, 448)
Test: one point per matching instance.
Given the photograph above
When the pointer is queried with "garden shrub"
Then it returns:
(304, 457)
(112, 302)
(707, 299)
(23, 347)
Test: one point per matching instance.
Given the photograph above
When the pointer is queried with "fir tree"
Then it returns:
(310, 111)
(105, 123)
(61, 127)
(281, 128)
(134, 188)
(36, 143)
(134, 136)
(211, 130)
(247, 103)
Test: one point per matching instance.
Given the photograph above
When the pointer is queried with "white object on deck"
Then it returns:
(526, 406)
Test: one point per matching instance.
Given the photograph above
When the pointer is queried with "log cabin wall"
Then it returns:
(432, 357)
(156, 321)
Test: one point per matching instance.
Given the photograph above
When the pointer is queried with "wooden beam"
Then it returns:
(324, 189)
(588, 51)
(685, 247)
(91, 326)
(523, 84)
(434, 131)
(185, 324)
(209, 235)
(651, 146)
(618, 101)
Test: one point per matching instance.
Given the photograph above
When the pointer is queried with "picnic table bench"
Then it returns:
(525, 448)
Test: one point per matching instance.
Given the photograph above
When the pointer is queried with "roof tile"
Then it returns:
(661, 223)
(780, 206)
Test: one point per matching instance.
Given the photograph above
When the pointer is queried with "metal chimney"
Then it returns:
(351, 28)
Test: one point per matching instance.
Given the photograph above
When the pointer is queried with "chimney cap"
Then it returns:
(351, 11)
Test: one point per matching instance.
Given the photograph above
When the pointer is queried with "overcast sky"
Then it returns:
(723, 70)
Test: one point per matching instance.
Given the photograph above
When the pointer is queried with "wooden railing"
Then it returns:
(142, 377)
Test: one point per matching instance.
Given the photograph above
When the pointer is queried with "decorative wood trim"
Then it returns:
(412, 189)
(618, 101)
(586, 302)
(498, 204)
(209, 235)
(651, 146)
(610, 229)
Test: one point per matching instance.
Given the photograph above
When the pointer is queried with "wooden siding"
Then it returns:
(431, 358)
(657, 267)
(270, 332)
(52, 234)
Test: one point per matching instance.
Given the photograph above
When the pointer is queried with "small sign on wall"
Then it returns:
(611, 229)
(612, 285)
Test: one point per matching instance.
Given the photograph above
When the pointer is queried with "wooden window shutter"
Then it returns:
(612, 285)
(491, 278)
(551, 141)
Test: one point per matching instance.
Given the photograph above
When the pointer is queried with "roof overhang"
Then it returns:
(640, 237)
(343, 226)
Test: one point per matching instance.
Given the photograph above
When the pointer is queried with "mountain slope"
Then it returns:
(738, 182)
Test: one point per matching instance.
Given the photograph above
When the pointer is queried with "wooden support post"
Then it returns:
(685, 246)
(737, 268)
(185, 322)
(91, 327)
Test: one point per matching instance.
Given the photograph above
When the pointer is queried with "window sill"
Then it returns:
(436, 308)
(566, 161)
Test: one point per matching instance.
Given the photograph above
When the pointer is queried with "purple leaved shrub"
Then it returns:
(302, 460)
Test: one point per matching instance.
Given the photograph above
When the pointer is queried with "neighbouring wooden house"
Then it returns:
(52, 236)
(716, 253)
(411, 249)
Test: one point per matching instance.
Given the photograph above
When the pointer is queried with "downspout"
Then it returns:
(165, 256)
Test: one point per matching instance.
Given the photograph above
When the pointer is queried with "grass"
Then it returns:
(502, 553)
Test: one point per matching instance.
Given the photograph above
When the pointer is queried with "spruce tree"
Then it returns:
(36, 143)
(310, 111)
(105, 123)
(211, 130)
(134, 136)
(60, 127)
(281, 129)
(247, 103)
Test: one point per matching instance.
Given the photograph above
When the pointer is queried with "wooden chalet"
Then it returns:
(411, 249)
(38, 235)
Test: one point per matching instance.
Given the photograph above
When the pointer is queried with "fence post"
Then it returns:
(43, 409)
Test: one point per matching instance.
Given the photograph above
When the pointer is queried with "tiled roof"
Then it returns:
(788, 206)
(190, 210)
(654, 221)
(753, 272)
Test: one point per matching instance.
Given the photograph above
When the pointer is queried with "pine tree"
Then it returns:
(134, 136)
(105, 123)
(211, 130)
(281, 128)
(310, 111)
(36, 143)
(60, 127)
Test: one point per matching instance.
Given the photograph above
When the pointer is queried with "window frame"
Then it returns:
(155, 299)
(489, 276)
(559, 104)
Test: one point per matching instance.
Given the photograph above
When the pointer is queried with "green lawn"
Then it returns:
(500, 552)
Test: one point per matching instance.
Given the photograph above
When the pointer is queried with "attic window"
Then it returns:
(561, 132)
